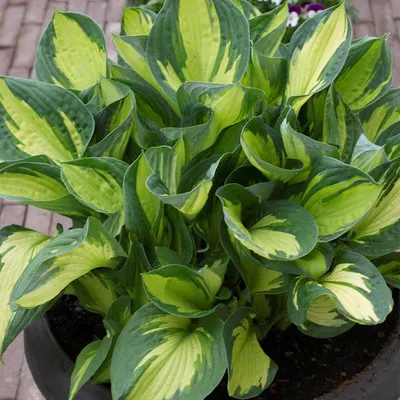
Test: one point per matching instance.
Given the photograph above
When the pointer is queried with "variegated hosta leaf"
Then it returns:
(380, 115)
(179, 290)
(305, 149)
(132, 50)
(367, 73)
(264, 149)
(247, 8)
(72, 52)
(229, 104)
(36, 182)
(258, 278)
(96, 182)
(37, 118)
(96, 291)
(367, 155)
(277, 229)
(143, 209)
(115, 122)
(137, 21)
(378, 233)
(389, 267)
(389, 133)
(18, 246)
(356, 288)
(317, 53)
(250, 370)
(392, 147)
(341, 126)
(216, 26)
(264, 24)
(149, 359)
(213, 270)
(186, 189)
(338, 196)
(88, 362)
(65, 258)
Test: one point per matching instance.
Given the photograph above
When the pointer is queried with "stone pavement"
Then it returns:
(21, 24)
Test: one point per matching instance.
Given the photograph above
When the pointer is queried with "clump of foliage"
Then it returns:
(221, 184)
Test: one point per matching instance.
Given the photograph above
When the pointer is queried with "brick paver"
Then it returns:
(21, 24)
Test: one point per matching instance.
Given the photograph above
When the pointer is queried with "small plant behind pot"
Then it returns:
(220, 184)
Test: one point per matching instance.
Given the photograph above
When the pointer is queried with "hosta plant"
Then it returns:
(221, 184)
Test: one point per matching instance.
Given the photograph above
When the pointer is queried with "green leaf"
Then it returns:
(378, 233)
(37, 118)
(277, 229)
(216, 26)
(367, 73)
(37, 182)
(18, 246)
(246, 8)
(380, 115)
(72, 52)
(367, 155)
(137, 21)
(96, 182)
(354, 290)
(264, 149)
(212, 270)
(250, 370)
(65, 258)
(179, 290)
(317, 53)
(258, 278)
(392, 147)
(338, 196)
(341, 127)
(389, 267)
(153, 345)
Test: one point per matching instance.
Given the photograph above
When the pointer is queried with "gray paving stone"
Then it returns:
(26, 48)
(97, 11)
(11, 25)
(12, 214)
(6, 56)
(27, 388)
(35, 11)
(19, 72)
(78, 6)
(37, 219)
(364, 10)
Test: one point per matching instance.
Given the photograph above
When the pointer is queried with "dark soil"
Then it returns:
(308, 367)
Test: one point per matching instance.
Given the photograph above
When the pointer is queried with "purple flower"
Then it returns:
(315, 7)
(296, 9)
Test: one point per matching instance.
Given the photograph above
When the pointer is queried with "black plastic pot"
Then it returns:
(51, 368)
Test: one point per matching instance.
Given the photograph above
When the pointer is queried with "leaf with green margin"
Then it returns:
(186, 189)
(132, 50)
(261, 26)
(378, 233)
(137, 21)
(392, 147)
(153, 345)
(250, 370)
(341, 126)
(389, 267)
(216, 26)
(319, 47)
(264, 149)
(380, 115)
(338, 196)
(166, 256)
(115, 222)
(179, 290)
(247, 8)
(303, 148)
(37, 182)
(96, 182)
(38, 118)
(96, 291)
(277, 229)
(142, 208)
(65, 258)
(228, 105)
(258, 278)
(72, 52)
(213, 270)
(367, 74)
(367, 155)
(389, 133)
(18, 246)
(88, 362)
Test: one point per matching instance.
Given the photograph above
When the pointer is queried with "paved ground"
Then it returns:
(21, 24)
